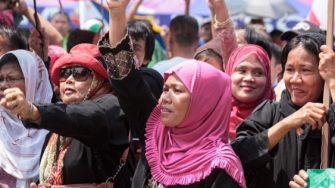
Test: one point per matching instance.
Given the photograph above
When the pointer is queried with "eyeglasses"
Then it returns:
(80, 74)
(10, 79)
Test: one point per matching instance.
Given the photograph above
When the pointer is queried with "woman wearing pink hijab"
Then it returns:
(249, 68)
(185, 133)
(188, 143)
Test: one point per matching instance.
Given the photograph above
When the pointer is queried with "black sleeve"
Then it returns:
(97, 123)
(133, 93)
(136, 100)
(251, 144)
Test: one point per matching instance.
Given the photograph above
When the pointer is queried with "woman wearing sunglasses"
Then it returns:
(20, 147)
(88, 132)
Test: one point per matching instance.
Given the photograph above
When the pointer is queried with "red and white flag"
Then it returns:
(318, 13)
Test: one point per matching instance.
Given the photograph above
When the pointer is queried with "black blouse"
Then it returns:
(275, 168)
(100, 131)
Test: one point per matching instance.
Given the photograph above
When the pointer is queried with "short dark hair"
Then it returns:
(276, 33)
(16, 39)
(61, 12)
(252, 37)
(139, 29)
(79, 36)
(184, 30)
(309, 41)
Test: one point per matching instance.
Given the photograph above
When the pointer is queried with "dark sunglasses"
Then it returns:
(80, 74)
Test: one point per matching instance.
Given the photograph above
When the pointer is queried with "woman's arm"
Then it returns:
(35, 42)
(134, 95)
(251, 144)
(94, 122)
(53, 35)
(223, 28)
(187, 7)
(117, 21)
(259, 134)
(97, 123)
(220, 16)
(313, 114)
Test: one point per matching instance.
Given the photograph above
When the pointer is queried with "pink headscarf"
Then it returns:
(6, 18)
(189, 152)
(241, 110)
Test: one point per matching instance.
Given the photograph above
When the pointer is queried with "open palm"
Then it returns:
(117, 4)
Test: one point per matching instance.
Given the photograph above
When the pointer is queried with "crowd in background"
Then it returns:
(189, 105)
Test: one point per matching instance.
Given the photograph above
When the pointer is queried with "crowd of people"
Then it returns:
(196, 106)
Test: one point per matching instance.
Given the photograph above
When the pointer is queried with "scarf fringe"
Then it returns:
(182, 179)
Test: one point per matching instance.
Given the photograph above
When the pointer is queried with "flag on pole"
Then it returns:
(318, 13)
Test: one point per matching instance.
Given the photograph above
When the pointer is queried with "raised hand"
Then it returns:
(327, 64)
(117, 20)
(35, 42)
(116, 5)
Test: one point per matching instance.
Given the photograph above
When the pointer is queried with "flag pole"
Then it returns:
(326, 93)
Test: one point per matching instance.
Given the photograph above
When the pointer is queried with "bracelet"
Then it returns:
(218, 24)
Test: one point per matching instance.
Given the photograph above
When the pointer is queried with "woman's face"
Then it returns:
(301, 76)
(139, 49)
(11, 76)
(61, 23)
(174, 102)
(75, 82)
(248, 80)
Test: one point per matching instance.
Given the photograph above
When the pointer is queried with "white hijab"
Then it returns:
(20, 148)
